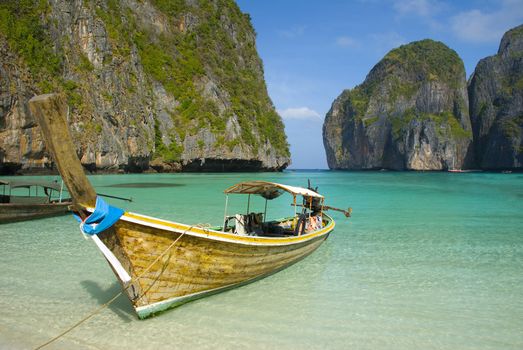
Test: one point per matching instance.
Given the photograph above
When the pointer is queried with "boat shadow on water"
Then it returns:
(121, 306)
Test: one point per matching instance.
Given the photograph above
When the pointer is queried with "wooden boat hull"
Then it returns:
(202, 262)
(13, 212)
(170, 263)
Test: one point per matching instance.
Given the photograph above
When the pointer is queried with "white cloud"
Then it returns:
(423, 8)
(483, 27)
(299, 113)
(293, 32)
(346, 41)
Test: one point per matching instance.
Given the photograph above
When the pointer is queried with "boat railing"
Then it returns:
(38, 192)
(253, 225)
(28, 200)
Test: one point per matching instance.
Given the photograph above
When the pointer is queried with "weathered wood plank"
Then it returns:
(50, 111)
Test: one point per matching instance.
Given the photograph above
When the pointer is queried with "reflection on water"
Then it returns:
(144, 185)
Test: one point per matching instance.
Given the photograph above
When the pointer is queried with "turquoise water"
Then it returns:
(428, 261)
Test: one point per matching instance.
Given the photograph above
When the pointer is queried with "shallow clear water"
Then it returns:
(428, 261)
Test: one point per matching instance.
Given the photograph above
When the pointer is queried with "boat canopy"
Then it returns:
(270, 190)
(20, 183)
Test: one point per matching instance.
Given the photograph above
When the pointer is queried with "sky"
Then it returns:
(313, 50)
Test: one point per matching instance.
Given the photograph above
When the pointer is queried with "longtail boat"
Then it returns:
(27, 200)
(161, 264)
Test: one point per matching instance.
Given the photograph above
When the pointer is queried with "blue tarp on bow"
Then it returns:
(103, 217)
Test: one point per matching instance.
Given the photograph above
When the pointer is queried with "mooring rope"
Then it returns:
(97, 310)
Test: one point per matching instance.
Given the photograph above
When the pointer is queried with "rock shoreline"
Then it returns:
(200, 165)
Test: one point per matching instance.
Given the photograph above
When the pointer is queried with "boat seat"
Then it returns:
(240, 226)
(248, 224)
(255, 223)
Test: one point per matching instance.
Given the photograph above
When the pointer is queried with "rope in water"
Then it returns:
(96, 311)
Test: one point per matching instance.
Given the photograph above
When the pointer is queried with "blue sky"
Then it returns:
(313, 50)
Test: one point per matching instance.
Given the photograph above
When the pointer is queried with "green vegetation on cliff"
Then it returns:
(400, 75)
(511, 127)
(200, 45)
(20, 23)
(202, 53)
(25, 26)
(225, 48)
(447, 126)
(496, 91)
(514, 34)
(356, 101)
(427, 60)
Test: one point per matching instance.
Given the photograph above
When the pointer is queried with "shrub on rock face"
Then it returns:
(411, 112)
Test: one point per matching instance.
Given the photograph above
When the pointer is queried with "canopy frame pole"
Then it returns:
(294, 202)
(225, 213)
(61, 192)
(248, 203)
(265, 211)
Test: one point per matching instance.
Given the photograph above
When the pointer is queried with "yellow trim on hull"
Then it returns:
(222, 236)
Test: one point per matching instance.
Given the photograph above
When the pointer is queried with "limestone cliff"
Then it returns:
(410, 113)
(172, 85)
(496, 105)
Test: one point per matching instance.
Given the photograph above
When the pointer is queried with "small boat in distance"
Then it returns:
(161, 264)
(42, 199)
(464, 170)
